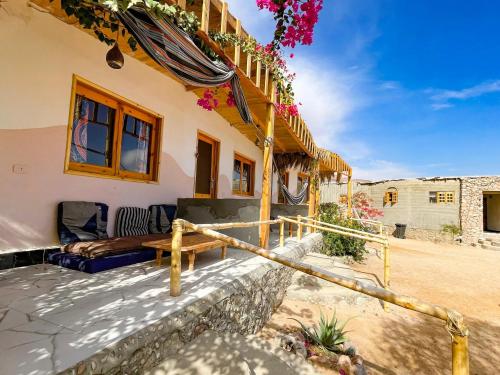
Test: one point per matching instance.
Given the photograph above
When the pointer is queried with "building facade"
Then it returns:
(427, 205)
(73, 129)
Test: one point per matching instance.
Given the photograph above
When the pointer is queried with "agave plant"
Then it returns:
(328, 335)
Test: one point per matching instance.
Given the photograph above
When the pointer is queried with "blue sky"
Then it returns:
(400, 88)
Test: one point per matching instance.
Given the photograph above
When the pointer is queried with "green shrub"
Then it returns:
(452, 229)
(340, 245)
(328, 335)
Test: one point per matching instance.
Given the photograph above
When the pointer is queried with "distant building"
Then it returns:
(426, 204)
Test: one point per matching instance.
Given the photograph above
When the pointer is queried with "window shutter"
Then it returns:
(395, 197)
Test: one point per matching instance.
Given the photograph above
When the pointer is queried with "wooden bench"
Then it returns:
(192, 244)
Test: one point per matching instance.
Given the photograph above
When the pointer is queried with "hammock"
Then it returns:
(174, 50)
(291, 199)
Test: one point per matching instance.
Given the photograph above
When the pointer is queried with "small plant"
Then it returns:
(337, 244)
(452, 229)
(329, 335)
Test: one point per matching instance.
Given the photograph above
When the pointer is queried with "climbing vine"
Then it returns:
(270, 57)
(99, 15)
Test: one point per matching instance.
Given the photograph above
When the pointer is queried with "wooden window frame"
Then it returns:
(444, 197)
(244, 160)
(122, 106)
(391, 197)
(215, 164)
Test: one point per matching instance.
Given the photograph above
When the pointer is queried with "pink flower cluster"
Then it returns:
(363, 204)
(209, 100)
(287, 109)
(297, 27)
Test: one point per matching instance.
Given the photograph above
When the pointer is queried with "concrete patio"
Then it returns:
(55, 320)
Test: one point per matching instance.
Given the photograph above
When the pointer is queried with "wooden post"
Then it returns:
(237, 48)
(205, 15)
(175, 259)
(460, 354)
(267, 175)
(387, 271)
(349, 194)
(313, 177)
(182, 4)
(282, 233)
(299, 228)
(290, 230)
(223, 18)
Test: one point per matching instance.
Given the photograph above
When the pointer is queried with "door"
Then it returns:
(485, 213)
(207, 158)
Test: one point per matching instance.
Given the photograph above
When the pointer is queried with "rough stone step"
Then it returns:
(214, 353)
(490, 247)
(312, 289)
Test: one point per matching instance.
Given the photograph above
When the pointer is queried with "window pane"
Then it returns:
(136, 142)
(432, 197)
(236, 175)
(92, 138)
(245, 179)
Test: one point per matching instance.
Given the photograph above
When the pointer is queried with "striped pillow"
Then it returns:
(131, 221)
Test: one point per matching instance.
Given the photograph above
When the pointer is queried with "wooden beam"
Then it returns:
(182, 4)
(223, 20)
(267, 175)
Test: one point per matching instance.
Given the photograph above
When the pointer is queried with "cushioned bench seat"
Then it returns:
(111, 246)
(84, 264)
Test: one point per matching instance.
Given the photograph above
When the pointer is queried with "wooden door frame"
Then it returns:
(202, 136)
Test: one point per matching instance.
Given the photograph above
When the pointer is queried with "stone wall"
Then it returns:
(242, 305)
(471, 210)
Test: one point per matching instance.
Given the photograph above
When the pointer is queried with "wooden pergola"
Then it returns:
(288, 134)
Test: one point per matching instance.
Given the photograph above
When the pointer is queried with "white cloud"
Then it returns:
(442, 98)
(329, 96)
(382, 170)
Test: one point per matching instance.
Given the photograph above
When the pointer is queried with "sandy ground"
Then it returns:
(403, 342)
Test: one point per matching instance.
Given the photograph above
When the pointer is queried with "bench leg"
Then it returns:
(159, 254)
(191, 258)
(223, 252)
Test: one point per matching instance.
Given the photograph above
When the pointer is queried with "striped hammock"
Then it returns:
(290, 198)
(174, 50)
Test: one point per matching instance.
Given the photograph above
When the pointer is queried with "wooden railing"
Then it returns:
(215, 16)
(454, 321)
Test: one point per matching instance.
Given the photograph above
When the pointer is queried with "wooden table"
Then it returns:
(192, 244)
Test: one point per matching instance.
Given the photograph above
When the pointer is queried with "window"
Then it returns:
(302, 178)
(391, 197)
(441, 197)
(243, 175)
(285, 177)
(111, 137)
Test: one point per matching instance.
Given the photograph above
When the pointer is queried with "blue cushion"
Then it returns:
(80, 263)
(81, 221)
(161, 217)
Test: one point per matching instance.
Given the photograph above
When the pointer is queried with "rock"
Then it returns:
(350, 349)
(358, 365)
(344, 365)
(292, 344)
